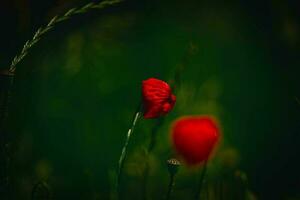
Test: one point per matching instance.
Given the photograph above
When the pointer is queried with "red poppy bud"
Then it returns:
(194, 138)
(158, 99)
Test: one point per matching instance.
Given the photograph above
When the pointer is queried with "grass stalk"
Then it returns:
(52, 24)
(201, 180)
(123, 155)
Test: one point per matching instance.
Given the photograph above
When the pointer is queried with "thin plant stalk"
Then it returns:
(5, 93)
(154, 131)
(150, 148)
(123, 155)
(201, 179)
(173, 166)
(170, 186)
(52, 24)
(175, 84)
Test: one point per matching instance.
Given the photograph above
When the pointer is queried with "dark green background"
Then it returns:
(76, 92)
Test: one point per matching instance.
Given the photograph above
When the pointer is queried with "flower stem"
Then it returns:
(124, 149)
(173, 165)
(150, 148)
(53, 22)
(200, 183)
(170, 187)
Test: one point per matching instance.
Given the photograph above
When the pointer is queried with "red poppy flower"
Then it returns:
(194, 138)
(158, 99)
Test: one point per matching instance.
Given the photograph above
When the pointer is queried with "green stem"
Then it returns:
(53, 22)
(170, 187)
(200, 183)
(124, 149)
(150, 148)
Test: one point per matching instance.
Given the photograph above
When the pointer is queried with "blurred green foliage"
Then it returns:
(77, 90)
